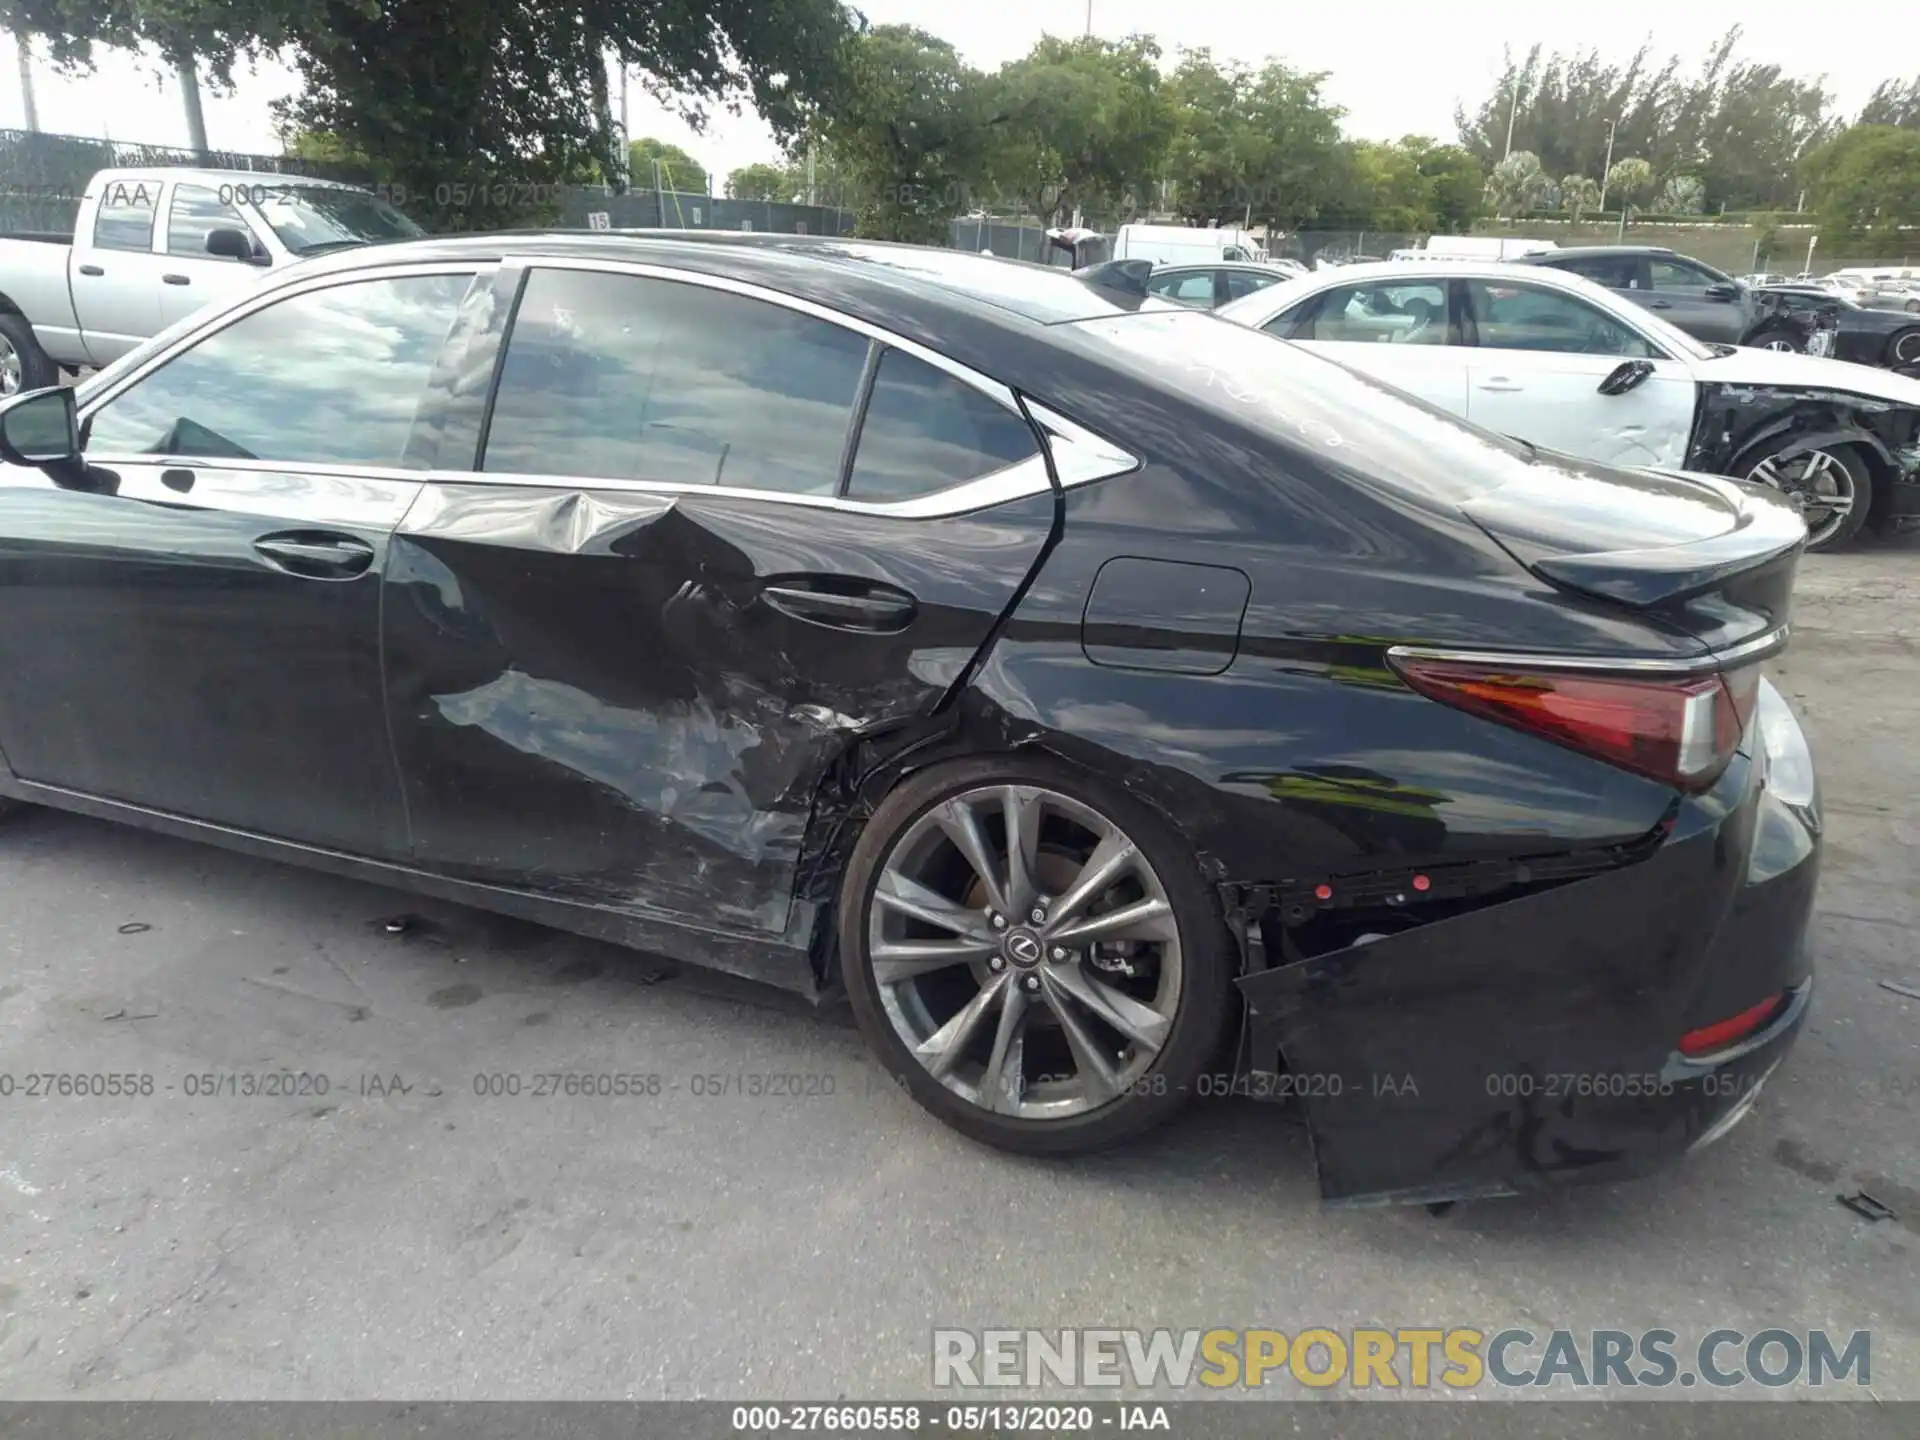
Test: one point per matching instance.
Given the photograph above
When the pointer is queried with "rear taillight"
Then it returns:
(1679, 729)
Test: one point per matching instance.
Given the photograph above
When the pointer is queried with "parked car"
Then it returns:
(1206, 286)
(152, 246)
(1118, 704)
(1560, 361)
(1186, 244)
(1699, 299)
(1816, 321)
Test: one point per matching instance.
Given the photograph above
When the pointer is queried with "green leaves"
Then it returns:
(676, 169)
(1865, 185)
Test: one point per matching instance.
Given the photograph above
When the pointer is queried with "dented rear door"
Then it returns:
(623, 653)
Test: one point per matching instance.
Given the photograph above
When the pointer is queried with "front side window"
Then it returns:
(1246, 282)
(124, 218)
(1679, 276)
(622, 377)
(925, 430)
(1522, 317)
(1616, 272)
(326, 377)
(1390, 312)
(196, 213)
(1186, 287)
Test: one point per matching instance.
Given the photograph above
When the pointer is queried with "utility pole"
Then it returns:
(810, 160)
(26, 82)
(1513, 109)
(626, 130)
(1606, 166)
(196, 122)
(1089, 19)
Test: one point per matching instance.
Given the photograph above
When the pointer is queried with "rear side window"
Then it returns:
(1188, 287)
(124, 219)
(1616, 272)
(1245, 282)
(1522, 317)
(622, 377)
(926, 431)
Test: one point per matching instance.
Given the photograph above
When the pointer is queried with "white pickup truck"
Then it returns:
(153, 246)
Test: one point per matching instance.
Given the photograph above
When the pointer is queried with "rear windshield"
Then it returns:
(1377, 431)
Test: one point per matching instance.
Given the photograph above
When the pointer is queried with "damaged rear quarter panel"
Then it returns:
(592, 699)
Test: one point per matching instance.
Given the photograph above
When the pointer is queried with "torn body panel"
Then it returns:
(1739, 425)
(627, 699)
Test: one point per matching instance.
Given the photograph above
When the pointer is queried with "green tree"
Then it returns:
(1390, 193)
(1865, 187)
(1210, 158)
(676, 169)
(1579, 194)
(479, 108)
(1682, 195)
(1300, 170)
(1081, 124)
(1629, 181)
(1456, 185)
(1518, 184)
(1893, 103)
(911, 130)
(759, 181)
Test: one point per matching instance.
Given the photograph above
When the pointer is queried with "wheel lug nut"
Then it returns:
(1032, 982)
(998, 962)
(1059, 953)
(999, 922)
(1039, 916)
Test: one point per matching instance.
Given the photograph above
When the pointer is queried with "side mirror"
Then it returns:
(1625, 376)
(231, 244)
(1723, 292)
(39, 428)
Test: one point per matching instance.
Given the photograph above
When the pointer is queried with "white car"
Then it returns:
(1568, 365)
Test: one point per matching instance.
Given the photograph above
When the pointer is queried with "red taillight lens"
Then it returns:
(1723, 1033)
(1682, 730)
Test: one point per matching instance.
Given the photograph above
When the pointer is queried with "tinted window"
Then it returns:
(1521, 317)
(197, 212)
(1188, 287)
(1381, 311)
(1245, 282)
(1618, 272)
(124, 220)
(926, 430)
(620, 377)
(331, 376)
(1681, 275)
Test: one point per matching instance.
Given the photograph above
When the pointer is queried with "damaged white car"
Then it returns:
(1565, 364)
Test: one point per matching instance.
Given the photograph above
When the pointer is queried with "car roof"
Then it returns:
(860, 276)
(1596, 252)
(195, 175)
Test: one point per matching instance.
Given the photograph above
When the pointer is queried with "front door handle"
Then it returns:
(175, 280)
(873, 609)
(1500, 385)
(1659, 304)
(317, 555)
(91, 270)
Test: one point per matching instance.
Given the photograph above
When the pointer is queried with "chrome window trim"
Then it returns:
(1080, 457)
(272, 293)
(1759, 647)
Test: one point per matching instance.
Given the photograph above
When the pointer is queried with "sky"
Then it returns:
(1397, 66)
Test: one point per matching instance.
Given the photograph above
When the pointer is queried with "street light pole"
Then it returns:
(1606, 166)
(1513, 109)
(1089, 19)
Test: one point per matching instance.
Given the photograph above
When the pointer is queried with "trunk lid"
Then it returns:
(1714, 556)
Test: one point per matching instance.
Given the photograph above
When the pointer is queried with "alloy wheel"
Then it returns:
(1818, 484)
(1025, 951)
(1780, 343)
(12, 368)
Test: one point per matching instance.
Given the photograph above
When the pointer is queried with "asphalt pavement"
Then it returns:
(414, 1232)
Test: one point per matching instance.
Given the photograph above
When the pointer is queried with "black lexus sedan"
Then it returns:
(1120, 706)
(1808, 318)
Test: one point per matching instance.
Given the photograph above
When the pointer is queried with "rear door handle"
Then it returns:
(176, 280)
(317, 555)
(91, 270)
(1500, 384)
(876, 610)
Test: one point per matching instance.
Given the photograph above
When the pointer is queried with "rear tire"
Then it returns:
(23, 364)
(1031, 1035)
(1839, 473)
